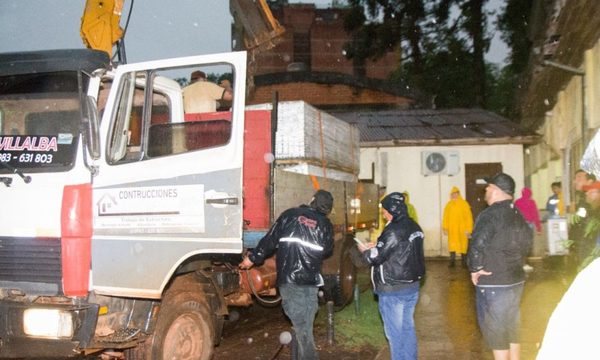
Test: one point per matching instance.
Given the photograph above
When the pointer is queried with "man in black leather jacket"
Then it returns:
(302, 237)
(499, 244)
(398, 263)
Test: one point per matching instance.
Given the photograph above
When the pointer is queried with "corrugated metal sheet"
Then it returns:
(447, 124)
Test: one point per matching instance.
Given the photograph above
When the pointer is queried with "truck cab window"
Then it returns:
(188, 111)
(33, 112)
(127, 134)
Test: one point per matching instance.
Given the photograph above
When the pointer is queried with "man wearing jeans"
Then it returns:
(499, 244)
(398, 264)
(302, 237)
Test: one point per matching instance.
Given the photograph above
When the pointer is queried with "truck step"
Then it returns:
(121, 335)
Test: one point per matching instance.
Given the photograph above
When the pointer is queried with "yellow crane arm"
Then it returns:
(100, 24)
(260, 28)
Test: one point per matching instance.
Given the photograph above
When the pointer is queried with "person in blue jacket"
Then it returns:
(302, 237)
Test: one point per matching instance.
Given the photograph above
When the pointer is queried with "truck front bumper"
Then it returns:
(29, 330)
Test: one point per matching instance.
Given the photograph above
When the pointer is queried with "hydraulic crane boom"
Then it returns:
(260, 28)
(100, 27)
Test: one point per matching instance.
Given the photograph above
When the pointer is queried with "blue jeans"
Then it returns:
(498, 314)
(300, 304)
(397, 311)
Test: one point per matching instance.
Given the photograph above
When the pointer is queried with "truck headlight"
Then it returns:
(50, 323)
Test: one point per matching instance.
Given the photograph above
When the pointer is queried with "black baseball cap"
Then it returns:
(503, 181)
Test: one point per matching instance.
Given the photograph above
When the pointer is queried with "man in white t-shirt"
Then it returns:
(202, 95)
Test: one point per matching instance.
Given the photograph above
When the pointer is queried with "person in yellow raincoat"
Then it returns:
(412, 212)
(457, 225)
(381, 221)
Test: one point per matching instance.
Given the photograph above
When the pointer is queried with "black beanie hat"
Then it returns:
(322, 201)
(394, 203)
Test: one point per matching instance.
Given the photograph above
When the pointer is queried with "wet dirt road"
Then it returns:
(445, 319)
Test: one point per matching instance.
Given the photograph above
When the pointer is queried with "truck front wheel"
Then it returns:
(184, 329)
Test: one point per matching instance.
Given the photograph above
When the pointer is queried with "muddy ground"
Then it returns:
(256, 337)
(445, 320)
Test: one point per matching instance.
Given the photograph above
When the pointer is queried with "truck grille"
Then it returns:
(30, 260)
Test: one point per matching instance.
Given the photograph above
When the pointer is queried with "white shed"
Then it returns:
(427, 152)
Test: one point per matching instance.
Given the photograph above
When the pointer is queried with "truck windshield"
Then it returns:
(39, 121)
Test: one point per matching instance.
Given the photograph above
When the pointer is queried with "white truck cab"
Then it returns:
(107, 204)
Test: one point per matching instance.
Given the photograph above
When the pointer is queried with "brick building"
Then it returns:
(308, 63)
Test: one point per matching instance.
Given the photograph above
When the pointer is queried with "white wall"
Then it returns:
(541, 181)
(429, 194)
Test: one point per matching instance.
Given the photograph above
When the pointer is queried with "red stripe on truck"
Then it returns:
(76, 238)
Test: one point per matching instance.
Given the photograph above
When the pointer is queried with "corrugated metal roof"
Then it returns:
(434, 125)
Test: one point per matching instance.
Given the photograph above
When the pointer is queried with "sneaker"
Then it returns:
(527, 268)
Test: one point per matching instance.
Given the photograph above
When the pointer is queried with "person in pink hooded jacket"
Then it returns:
(529, 209)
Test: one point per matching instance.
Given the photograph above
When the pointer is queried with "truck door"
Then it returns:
(168, 186)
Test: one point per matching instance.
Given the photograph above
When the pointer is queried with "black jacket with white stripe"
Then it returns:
(302, 237)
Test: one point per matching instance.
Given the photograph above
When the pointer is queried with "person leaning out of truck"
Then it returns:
(302, 237)
(202, 95)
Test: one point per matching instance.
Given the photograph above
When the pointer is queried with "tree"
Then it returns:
(378, 26)
(443, 44)
(467, 21)
(475, 25)
(514, 24)
(445, 78)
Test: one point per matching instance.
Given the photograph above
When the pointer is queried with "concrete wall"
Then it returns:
(557, 157)
(399, 168)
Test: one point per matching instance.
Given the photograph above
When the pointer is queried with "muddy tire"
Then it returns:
(184, 329)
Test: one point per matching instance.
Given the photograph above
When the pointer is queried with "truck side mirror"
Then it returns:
(91, 127)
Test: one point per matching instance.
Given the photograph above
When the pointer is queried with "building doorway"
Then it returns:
(475, 195)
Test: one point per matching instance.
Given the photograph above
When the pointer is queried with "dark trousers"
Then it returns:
(499, 315)
(300, 304)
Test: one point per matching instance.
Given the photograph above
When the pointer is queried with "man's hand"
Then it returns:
(475, 276)
(362, 247)
(246, 263)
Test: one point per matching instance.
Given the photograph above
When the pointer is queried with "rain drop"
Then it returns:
(269, 158)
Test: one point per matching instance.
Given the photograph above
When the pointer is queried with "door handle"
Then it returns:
(223, 201)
